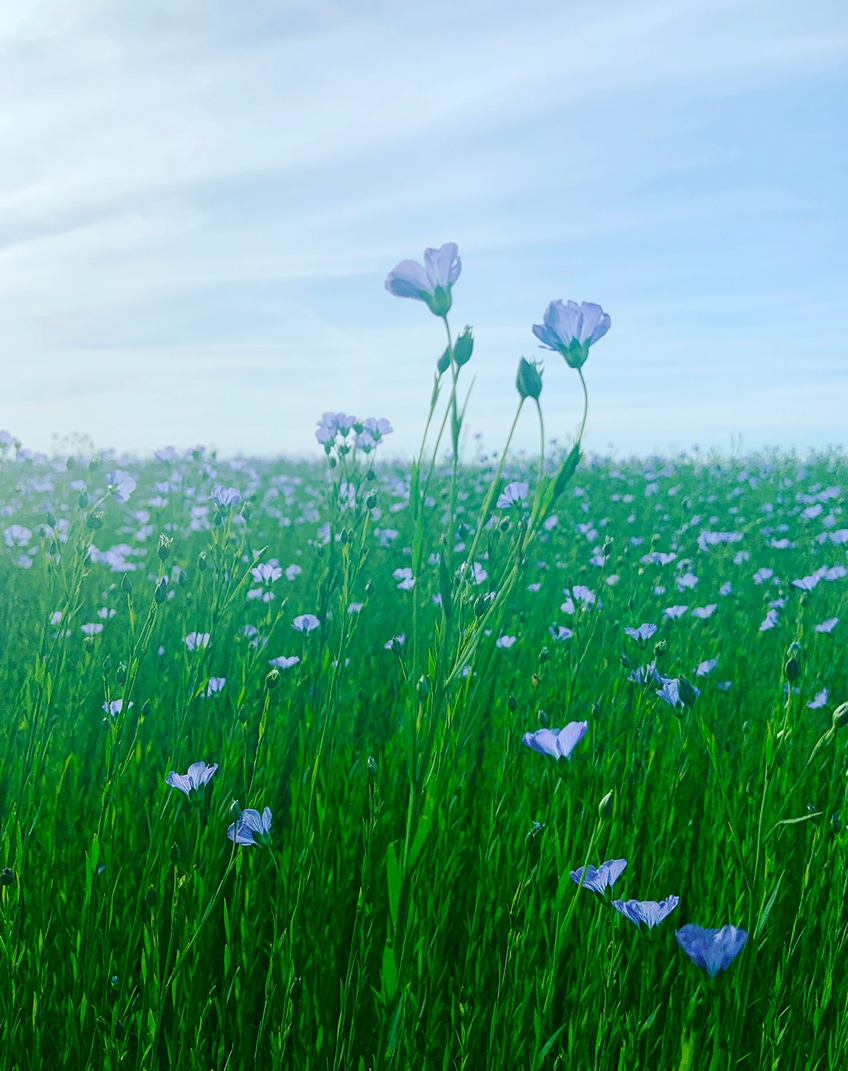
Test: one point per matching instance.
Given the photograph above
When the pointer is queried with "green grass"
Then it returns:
(407, 915)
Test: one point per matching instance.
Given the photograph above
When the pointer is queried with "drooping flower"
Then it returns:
(714, 950)
(430, 283)
(649, 912)
(198, 775)
(570, 329)
(598, 879)
(251, 828)
(556, 742)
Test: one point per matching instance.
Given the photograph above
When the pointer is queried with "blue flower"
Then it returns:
(557, 742)
(431, 283)
(714, 950)
(648, 911)
(252, 828)
(570, 329)
(598, 879)
(642, 633)
(198, 775)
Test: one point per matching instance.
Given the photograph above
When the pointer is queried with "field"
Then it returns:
(362, 650)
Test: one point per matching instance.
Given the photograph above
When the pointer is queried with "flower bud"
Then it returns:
(126, 584)
(107, 665)
(94, 521)
(161, 592)
(544, 720)
(529, 379)
(605, 807)
(686, 692)
(660, 648)
(51, 520)
(443, 363)
(512, 703)
(463, 348)
(423, 687)
(840, 716)
(544, 655)
(150, 897)
(7, 876)
(83, 500)
(792, 669)
(372, 769)
(164, 548)
(145, 708)
(272, 678)
(121, 674)
(201, 561)
(371, 500)
(533, 840)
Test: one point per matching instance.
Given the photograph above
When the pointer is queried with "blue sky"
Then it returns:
(200, 202)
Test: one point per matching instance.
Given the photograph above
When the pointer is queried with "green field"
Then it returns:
(413, 905)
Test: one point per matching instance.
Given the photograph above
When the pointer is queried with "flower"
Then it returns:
(121, 485)
(431, 283)
(195, 640)
(600, 878)
(556, 742)
(224, 497)
(214, 685)
(714, 950)
(570, 329)
(115, 706)
(251, 828)
(827, 626)
(648, 911)
(642, 633)
(305, 623)
(513, 494)
(198, 775)
(284, 661)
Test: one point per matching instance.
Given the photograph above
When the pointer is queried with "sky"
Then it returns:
(200, 202)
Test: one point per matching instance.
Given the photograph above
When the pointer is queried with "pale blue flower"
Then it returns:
(556, 742)
(252, 829)
(642, 633)
(431, 283)
(601, 878)
(513, 494)
(305, 623)
(649, 912)
(198, 775)
(714, 950)
(570, 329)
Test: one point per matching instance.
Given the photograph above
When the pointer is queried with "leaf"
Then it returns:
(394, 882)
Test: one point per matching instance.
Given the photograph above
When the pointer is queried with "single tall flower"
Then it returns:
(431, 282)
(557, 742)
(714, 950)
(252, 828)
(570, 329)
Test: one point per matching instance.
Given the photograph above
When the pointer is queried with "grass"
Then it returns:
(416, 907)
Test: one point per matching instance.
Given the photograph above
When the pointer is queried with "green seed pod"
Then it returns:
(528, 381)
(840, 716)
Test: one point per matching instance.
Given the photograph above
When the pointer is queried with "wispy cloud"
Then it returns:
(211, 194)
